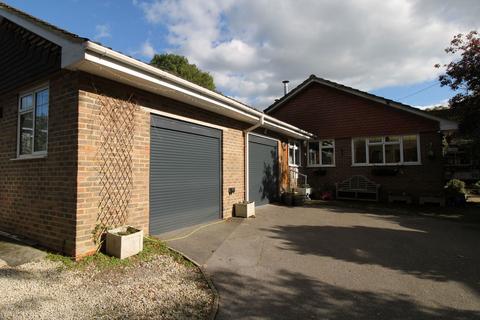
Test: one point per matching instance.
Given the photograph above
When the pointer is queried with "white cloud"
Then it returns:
(147, 50)
(442, 103)
(251, 45)
(102, 31)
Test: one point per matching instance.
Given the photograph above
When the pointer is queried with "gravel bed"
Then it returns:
(158, 289)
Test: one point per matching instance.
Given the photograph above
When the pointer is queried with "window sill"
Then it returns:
(294, 165)
(30, 157)
(386, 164)
(322, 166)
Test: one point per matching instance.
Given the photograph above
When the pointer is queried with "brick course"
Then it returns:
(37, 196)
(331, 113)
(55, 200)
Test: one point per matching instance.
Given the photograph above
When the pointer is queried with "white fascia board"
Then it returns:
(113, 69)
(188, 87)
(152, 83)
(72, 52)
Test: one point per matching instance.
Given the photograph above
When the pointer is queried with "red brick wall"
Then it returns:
(331, 113)
(37, 196)
(56, 200)
(88, 186)
(416, 180)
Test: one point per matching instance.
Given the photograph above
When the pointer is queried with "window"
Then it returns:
(294, 153)
(388, 150)
(33, 122)
(321, 153)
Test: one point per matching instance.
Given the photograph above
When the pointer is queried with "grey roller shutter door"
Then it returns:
(185, 180)
(263, 170)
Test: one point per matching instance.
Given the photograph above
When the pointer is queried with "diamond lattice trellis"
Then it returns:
(117, 129)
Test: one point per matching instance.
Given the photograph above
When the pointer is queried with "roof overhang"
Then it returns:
(84, 55)
(445, 125)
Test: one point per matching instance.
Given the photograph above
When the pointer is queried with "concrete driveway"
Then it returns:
(339, 263)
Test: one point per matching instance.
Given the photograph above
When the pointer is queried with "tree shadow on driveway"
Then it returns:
(422, 247)
(291, 295)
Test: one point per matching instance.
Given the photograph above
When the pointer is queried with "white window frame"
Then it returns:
(32, 92)
(383, 143)
(295, 144)
(320, 147)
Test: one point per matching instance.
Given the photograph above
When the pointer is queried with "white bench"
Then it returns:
(357, 188)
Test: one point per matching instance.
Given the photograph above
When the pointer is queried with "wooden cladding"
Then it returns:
(25, 57)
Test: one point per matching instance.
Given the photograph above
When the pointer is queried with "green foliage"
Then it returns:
(100, 261)
(463, 76)
(455, 187)
(179, 66)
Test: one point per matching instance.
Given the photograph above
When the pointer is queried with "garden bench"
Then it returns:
(357, 188)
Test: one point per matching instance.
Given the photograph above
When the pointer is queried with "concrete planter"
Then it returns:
(245, 210)
(124, 242)
(304, 191)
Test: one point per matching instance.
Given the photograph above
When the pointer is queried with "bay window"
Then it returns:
(33, 122)
(386, 150)
(321, 153)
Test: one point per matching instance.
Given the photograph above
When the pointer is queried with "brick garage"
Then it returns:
(94, 172)
(339, 114)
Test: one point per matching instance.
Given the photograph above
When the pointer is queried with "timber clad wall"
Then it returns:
(330, 113)
(24, 56)
(37, 196)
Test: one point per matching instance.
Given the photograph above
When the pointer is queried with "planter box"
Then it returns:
(304, 191)
(245, 210)
(124, 242)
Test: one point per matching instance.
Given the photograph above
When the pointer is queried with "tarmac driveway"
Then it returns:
(340, 263)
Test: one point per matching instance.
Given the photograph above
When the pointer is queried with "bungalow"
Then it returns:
(94, 138)
(359, 134)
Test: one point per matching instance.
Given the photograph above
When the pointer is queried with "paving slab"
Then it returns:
(201, 241)
(14, 253)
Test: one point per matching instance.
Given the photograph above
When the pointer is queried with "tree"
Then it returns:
(463, 76)
(179, 66)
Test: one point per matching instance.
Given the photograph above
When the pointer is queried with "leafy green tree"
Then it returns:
(463, 76)
(179, 66)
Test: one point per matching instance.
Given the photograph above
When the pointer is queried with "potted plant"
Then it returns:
(124, 242)
(456, 193)
(245, 209)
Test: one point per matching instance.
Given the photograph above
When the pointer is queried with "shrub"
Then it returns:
(476, 187)
(455, 187)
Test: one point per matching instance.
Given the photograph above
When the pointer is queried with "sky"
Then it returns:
(388, 48)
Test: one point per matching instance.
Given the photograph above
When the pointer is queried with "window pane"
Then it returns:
(374, 139)
(360, 154)
(327, 156)
(392, 153)
(290, 154)
(297, 154)
(410, 152)
(392, 139)
(26, 133)
(313, 153)
(41, 120)
(375, 153)
(327, 143)
(26, 103)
